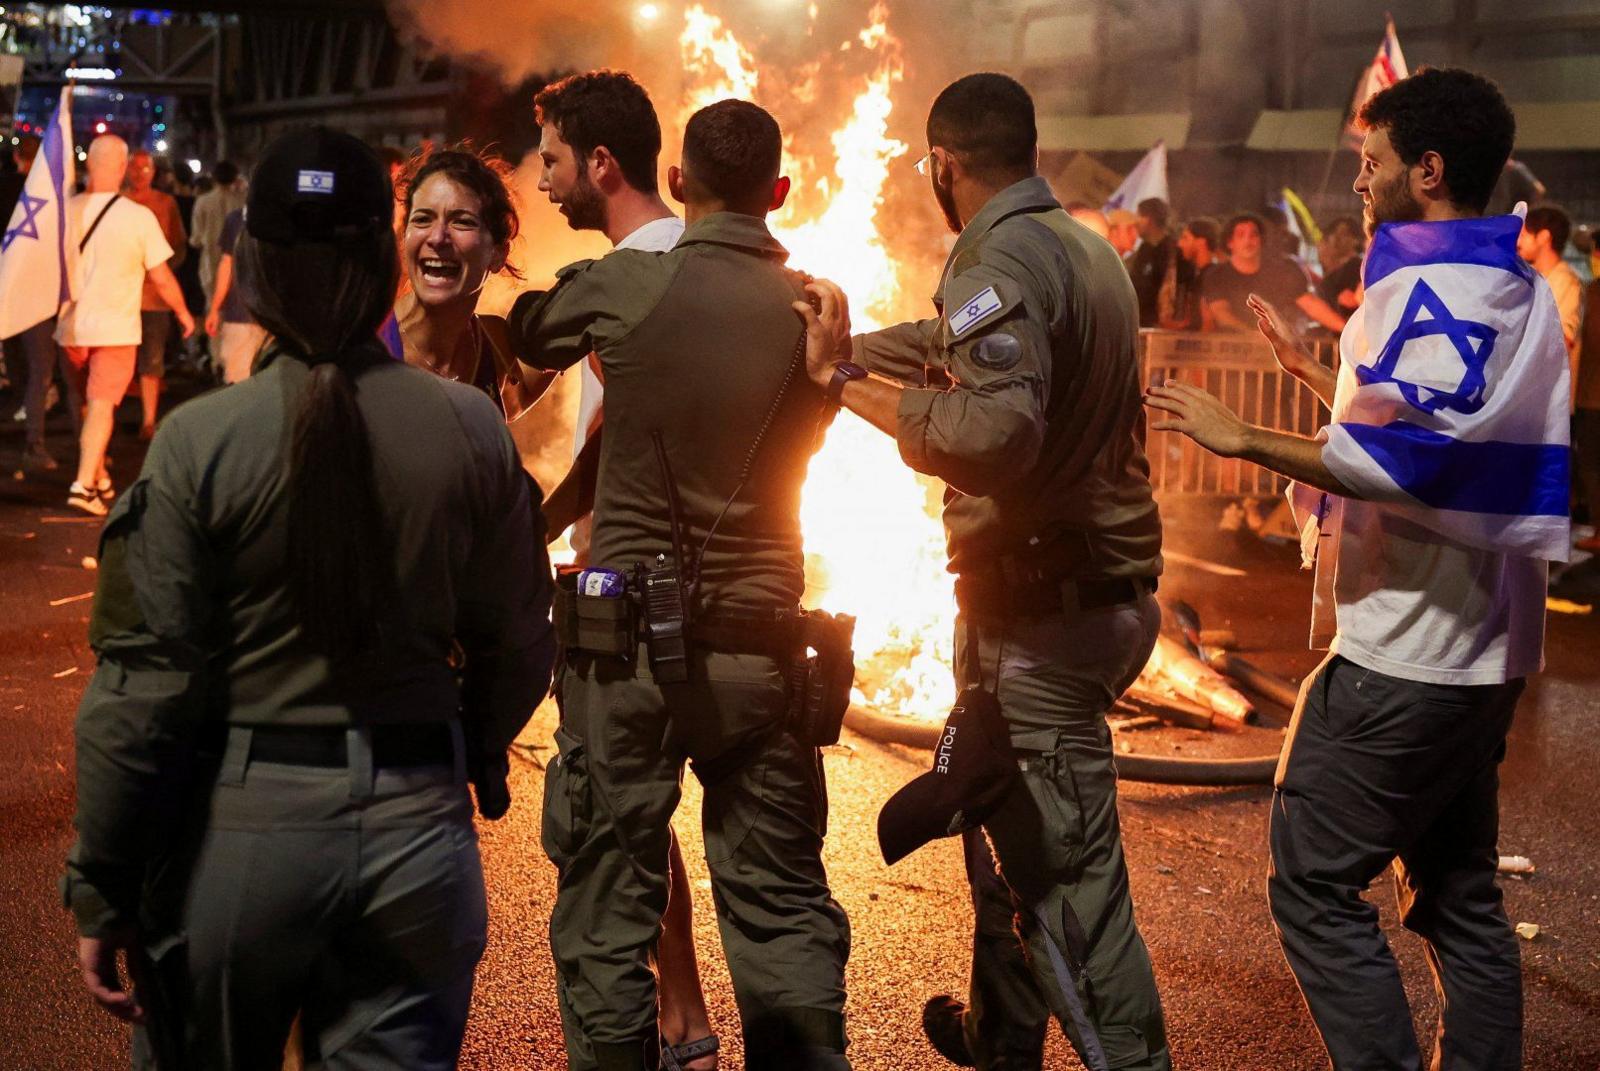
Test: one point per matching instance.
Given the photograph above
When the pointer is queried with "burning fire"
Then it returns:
(875, 545)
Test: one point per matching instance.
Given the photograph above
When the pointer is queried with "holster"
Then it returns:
(608, 627)
(821, 674)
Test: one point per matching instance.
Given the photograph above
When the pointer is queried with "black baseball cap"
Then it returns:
(318, 185)
(974, 770)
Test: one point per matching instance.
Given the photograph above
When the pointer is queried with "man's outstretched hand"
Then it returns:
(1285, 341)
(1198, 415)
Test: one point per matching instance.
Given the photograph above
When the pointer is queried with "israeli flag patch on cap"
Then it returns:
(984, 303)
(314, 182)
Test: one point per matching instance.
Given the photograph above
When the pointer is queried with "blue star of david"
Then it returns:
(29, 226)
(1473, 343)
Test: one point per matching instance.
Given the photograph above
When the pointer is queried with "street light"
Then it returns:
(194, 165)
(161, 145)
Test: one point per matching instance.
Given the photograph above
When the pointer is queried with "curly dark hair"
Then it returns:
(607, 108)
(1460, 115)
(1251, 218)
(487, 177)
(733, 150)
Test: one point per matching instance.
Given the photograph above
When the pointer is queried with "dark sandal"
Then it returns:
(673, 1057)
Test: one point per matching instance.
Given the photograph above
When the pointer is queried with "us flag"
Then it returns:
(1386, 68)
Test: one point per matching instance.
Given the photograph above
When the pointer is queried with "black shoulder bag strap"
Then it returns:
(96, 224)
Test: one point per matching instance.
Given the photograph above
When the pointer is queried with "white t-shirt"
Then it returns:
(1410, 603)
(657, 236)
(111, 270)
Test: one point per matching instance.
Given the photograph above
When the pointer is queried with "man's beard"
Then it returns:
(947, 205)
(583, 205)
(1391, 204)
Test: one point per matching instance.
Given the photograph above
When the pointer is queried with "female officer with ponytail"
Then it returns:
(273, 755)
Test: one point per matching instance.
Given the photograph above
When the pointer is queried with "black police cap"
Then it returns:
(318, 185)
(974, 771)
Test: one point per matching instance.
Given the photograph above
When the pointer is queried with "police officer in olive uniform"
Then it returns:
(710, 421)
(321, 611)
(1023, 396)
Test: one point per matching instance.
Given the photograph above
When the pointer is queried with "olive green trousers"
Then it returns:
(1061, 882)
(609, 797)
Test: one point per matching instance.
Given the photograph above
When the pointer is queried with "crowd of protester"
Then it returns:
(1198, 275)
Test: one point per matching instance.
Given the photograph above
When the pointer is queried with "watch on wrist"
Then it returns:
(843, 372)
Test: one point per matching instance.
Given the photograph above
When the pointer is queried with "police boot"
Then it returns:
(944, 1023)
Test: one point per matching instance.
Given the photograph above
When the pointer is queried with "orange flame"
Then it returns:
(875, 546)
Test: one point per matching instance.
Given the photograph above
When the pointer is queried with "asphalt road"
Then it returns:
(1197, 856)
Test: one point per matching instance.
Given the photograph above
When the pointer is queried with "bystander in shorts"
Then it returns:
(104, 372)
(155, 327)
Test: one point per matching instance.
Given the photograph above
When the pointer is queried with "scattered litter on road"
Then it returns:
(65, 673)
(1528, 930)
(89, 563)
(1201, 564)
(1162, 868)
(71, 520)
(1516, 864)
(1203, 890)
(1566, 606)
(72, 598)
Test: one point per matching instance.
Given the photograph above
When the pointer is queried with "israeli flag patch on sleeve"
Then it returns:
(984, 303)
(314, 182)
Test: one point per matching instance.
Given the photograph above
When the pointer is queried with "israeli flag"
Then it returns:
(1452, 401)
(1147, 179)
(37, 261)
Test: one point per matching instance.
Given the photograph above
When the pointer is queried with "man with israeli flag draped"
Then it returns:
(1434, 499)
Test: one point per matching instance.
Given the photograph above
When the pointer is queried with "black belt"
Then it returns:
(992, 595)
(407, 744)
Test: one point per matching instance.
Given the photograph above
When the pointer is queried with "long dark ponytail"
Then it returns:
(324, 302)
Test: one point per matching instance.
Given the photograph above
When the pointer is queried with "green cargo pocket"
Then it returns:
(1054, 788)
(568, 808)
(1124, 1046)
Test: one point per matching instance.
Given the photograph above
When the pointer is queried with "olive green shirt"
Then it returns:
(194, 626)
(1024, 395)
(699, 344)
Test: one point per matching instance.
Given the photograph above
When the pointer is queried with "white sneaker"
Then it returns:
(81, 497)
(20, 415)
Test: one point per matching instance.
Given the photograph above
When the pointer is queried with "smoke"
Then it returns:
(811, 60)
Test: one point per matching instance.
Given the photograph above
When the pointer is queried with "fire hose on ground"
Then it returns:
(1228, 710)
(1155, 769)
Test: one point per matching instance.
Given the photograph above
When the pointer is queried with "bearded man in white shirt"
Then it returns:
(1445, 473)
(599, 142)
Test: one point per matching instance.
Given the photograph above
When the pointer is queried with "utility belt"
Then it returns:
(813, 646)
(1042, 583)
(405, 744)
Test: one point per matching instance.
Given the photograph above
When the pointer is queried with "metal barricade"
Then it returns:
(1240, 370)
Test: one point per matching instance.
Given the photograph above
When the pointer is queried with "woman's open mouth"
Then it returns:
(439, 271)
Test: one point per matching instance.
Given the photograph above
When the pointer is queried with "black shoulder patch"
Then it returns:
(998, 351)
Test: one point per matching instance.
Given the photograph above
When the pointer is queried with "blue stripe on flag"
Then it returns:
(1521, 479)
(1490, 241)
(55, 154)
